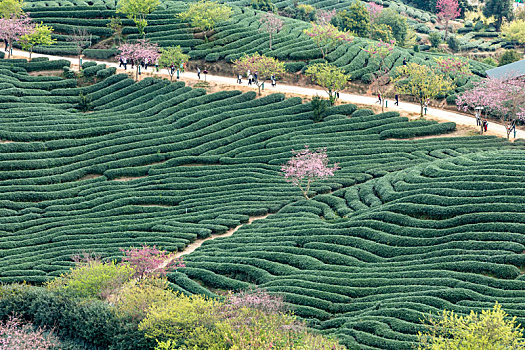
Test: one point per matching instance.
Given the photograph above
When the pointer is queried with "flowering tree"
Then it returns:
(12, 28)
(15, 335)
(374, 10)
(271, 24)
(306, 166)
(139, 52)
(41, 35)
(264, 66)
(421, 82)
(333, 79)
(150, 261)
(172, 56)
(379, 52)
(137, 10)
(327, 36)
(324, 16)
(447, 10)
(502, 97)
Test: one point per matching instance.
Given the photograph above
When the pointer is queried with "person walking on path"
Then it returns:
(397, 100)
(485, 125)
(121, 62)
(6, 44)
(250, 79)
(125, 63)
(199, 73)
(378, 98)
(273, 80)
(239, 79)
(255, 77)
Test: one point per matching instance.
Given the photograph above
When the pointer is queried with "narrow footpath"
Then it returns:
(433, 113)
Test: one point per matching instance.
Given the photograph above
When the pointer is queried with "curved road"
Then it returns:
(443, 115)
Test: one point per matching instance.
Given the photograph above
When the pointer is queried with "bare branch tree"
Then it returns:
(81, 38)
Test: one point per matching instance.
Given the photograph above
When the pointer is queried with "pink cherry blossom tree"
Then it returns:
(150, 262)
(324, 16)
(326, 37)
(12, 28)
(504, 98)
(271, 24)
(447, 10)
(306, 166)
(15, 335)
(141, 51)
(379, 51)
(374, 10)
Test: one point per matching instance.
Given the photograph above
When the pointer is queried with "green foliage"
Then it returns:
(490, 330)
(453, 43)
(435, 39)
(172, 56)
(137, 10)
(395, 21)
(94, 279)
(10, 8)
(509, 56)
(263, 5)
(331, 78)
(381, 31)
(319, 107)
(206, 14)
(490, 61)
(500, 9)
(355, 19)
(41, 35)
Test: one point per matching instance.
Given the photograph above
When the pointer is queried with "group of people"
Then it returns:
(123, 62)
(483, 123)
(253, 78)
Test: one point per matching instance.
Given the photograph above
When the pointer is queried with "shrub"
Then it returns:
(453, 43)
(490, 61)
(509, 56)
(319, 107)
(100, 53)
(94, 279)
(435, 39)
(294, 67)
(15, 335)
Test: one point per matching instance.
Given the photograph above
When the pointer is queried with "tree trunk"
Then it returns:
(137, 72)
(30, 53)
(79, 64)
(446, 29)
(9, 48)
(270, 41)
(422, 107)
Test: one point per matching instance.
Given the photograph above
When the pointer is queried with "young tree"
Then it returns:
(447, 10)
(421, 82)
(306, 166)
(331, 78)
(12, 28)
(327, 36)
(374, 11)
(488, 330)
(206, 14)
(266, 67)
(139, 52)
(15, 335)
(379, 52)
(396, 22)
(514, 31)
(41, 35)
(115, 24)
(271, 24)
(504, 98)
(137, 10)
(80, 38)
(172, 56)
(500, 9)
(11, 8)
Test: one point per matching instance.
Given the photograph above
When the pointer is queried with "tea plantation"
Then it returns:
(406, 227)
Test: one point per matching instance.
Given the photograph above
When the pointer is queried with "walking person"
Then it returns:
(273, 80)
(396, 97)
(378, 98)
(121, 62)
(255, 77)
(239, 79)
(404, 61)
(199, 73)
(125, 63)
(250, 79)
(132, 63)
(157, 65)
(146, 61)
(485, 125)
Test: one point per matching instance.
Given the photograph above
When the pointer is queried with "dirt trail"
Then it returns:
(196, 244)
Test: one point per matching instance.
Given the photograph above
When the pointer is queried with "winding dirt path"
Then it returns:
(197, 243)
(231, 83)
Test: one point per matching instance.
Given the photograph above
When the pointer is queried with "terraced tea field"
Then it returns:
(404, 228)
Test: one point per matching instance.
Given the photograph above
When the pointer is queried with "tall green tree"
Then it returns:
(41, 35)
(397, 23)
(172, 56)
(500, 9)
(205, 14)
(137, 10)
(331, 78)
(266, 67)
(355, 19)
(514, 31)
